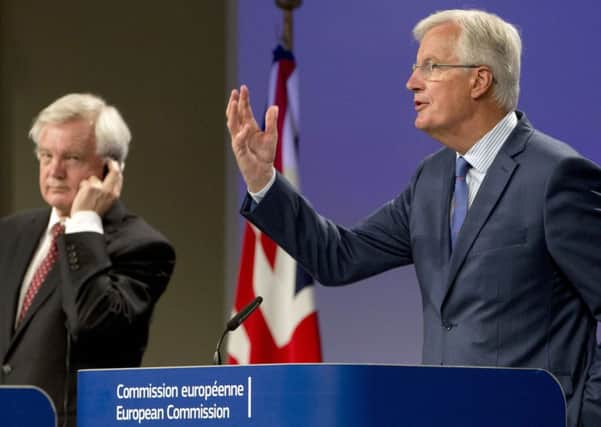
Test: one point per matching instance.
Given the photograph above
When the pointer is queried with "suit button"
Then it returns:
(7, 369)
(448, 326)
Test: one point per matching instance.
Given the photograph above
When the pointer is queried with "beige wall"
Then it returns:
(164, 67)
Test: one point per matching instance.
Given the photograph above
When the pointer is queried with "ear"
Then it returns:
(482, 81)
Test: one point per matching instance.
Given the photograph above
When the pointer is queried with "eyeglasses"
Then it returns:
(429, 70)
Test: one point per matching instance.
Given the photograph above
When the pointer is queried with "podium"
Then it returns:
(319, 395)
(25, 406)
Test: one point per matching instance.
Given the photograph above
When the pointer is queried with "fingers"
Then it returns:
(239, 142)
(240, 115)
(99, 195)
(254, 149)
(239, 112)
(113, 182)
(234, 97)
(231, 112)
(245, 111)
(271, 121)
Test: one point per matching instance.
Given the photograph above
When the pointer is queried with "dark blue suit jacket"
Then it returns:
(522, 287)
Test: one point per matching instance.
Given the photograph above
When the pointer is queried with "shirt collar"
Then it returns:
(484, 151)
(54, 218)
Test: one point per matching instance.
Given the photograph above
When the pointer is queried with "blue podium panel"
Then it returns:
(26, 406)
(319, 395)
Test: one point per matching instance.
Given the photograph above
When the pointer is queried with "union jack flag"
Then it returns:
(285, 328)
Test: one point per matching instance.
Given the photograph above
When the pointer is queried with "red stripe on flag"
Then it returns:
(286, 68)
(245, 294)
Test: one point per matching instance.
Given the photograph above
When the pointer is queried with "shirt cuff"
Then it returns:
(258, 196)
(84, 221)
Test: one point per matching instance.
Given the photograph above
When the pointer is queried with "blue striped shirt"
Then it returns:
(483, 152)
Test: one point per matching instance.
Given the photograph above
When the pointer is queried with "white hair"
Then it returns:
(110, 130)
(485, 39)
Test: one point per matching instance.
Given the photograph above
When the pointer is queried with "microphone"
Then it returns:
(233, 324)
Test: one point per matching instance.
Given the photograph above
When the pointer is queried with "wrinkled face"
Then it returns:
(442, 100)
(67, 155)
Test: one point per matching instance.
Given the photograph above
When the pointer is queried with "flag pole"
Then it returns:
(287, 6)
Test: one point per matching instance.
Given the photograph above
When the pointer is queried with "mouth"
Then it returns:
(419, 105)
(58, 189)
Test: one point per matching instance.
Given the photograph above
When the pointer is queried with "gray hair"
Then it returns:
(485, 39)
(110, 130)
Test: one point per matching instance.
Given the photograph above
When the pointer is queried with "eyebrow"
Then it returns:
(41, 150)
(429, 59)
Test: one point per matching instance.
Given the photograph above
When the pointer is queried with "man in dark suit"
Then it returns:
(79, 279)
(503, 225)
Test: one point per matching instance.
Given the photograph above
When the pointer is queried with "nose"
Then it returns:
(415, 81)
(56, 168)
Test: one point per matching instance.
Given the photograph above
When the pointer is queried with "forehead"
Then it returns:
(75, 134)
(439, 43)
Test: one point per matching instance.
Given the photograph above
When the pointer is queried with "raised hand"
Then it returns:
(253, 148)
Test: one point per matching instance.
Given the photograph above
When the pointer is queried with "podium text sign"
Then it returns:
(319, 395)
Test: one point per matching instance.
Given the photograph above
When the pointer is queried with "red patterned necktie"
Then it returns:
(42, 271)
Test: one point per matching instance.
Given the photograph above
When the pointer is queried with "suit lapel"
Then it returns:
(497, 178)
(48, 287)
(444, 236)
(447, 194)
(26, 240)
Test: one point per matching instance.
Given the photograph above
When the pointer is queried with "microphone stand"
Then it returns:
(233, 324)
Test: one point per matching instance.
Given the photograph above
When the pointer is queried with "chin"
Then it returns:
(421, 124)
(421, 120)
(61, 204)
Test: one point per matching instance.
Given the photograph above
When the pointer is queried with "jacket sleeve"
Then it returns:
(573, 234)
(573, 226)
(110, 284)
(333, 254)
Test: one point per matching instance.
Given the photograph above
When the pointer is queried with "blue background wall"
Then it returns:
(358, 144)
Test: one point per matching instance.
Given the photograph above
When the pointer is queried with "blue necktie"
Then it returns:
(460, 198)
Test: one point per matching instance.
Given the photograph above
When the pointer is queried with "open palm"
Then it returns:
(253, 148)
